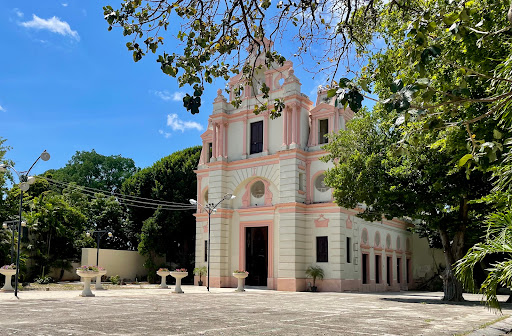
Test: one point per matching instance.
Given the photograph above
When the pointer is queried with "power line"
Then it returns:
(110, 193)
(128, 202)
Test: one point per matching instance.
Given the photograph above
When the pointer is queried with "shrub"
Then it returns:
(44, 280)
(115, 279)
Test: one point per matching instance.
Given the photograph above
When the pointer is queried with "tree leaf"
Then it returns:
(464, 159)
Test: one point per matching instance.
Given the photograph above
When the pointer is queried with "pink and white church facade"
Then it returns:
(283, 218)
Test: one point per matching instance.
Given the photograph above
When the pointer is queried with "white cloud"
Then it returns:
(64, 4)
(166, 95)
(178, 96)
(2, 109)
(177, 124)
(165, 134)
(18, 12)
(54, 24)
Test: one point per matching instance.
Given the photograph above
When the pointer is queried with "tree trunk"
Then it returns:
(451, 286)
(452, 252)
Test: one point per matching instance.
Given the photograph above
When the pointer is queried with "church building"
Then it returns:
(283, 218)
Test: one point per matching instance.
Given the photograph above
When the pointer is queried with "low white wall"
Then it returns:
(127, 264)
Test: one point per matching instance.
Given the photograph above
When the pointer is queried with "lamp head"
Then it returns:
(45, 156)
(88, 234)
(23, 223)
(24, 186)
(4, 225)
(228, 197)
(31, 179)
(192, 201)
(109, 234)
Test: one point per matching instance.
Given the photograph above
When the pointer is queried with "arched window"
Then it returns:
(364, 237)
(388, 241)
(377, 239)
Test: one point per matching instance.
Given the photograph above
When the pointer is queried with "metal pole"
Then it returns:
(98, 250)
(208, 274)
(19, 244)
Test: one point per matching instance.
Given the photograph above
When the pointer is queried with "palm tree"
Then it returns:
(315, 272)
(497, 240)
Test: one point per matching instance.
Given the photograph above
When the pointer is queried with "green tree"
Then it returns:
(214, 36)
(106, 213)
(7, 207)
(416, 180)
(167, 230)
(497, 243)
(442, 79)
(56, 229)
(93, 170)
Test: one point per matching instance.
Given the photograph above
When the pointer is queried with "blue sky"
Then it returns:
(67, 84)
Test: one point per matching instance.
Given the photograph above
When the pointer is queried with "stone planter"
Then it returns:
(178, 276)
(86, 277)
(240, 277)
(163, 274)
(8, 278)
(98, 285)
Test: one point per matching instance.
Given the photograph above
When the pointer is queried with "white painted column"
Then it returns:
(265, 131)
(298, 123)
(244, 153)
(226, 140)
(294, 125)
(221, 139)
(214, 143)
(285, 128)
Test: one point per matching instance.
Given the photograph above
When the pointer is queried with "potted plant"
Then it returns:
(87, 273)
(240, 275)
(8, 271)
(178, 274)
(163, 272)
(200, 271)
(315, 272)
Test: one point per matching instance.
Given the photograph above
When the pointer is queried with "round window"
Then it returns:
(258, 189)
(320, 185)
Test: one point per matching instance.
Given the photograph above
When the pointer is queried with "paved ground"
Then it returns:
(151, 311)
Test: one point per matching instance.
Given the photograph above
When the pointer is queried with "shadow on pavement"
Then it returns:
(441, 302)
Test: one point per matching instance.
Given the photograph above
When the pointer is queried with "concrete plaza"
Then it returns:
(151, 311)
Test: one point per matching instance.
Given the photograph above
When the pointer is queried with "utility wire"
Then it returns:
(110, 193)
(128, 202)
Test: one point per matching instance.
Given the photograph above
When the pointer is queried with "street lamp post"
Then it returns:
(210, 208)
(25, 182)
(12, 226)
(99, 235)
